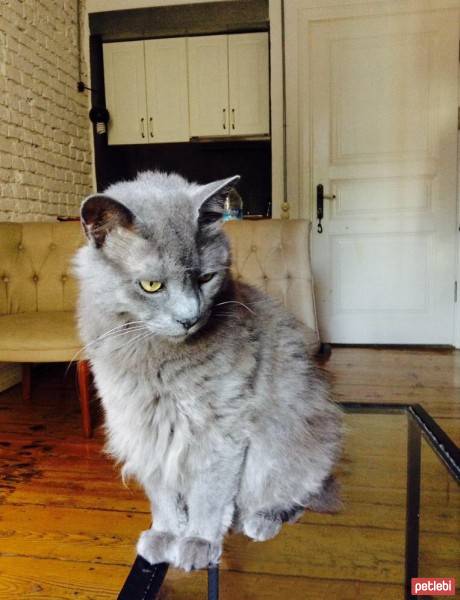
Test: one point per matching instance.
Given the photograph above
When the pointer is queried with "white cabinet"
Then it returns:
(124, 76)
(248, 84)
(168, 90)
(208, 85)
(229, 84)
(167, 93)
(146, 91)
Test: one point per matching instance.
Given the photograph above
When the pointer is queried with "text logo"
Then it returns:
(435, 586)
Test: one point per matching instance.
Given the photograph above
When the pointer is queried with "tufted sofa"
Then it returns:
(274, 255)
(37, 301)
(38, 292)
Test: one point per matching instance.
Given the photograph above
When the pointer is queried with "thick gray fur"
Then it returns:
(227, 424)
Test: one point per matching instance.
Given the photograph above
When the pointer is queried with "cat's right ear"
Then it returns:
(211, 199)
(101, 214)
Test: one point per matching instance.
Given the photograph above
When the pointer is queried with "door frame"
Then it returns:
(298, 16)
(456, 332)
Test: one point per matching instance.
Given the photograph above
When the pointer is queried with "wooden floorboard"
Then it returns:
(68, 525)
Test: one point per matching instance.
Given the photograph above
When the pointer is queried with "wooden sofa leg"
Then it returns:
(26, 381)
(84, 396)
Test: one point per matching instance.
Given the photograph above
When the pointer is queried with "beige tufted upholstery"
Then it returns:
(274, 255)
(38, 293)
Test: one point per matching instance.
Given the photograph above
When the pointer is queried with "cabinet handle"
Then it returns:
(233, 118)
(142, 127)
(224, 118)
(151, 126)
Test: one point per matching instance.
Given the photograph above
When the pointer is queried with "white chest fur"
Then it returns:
(150, 428)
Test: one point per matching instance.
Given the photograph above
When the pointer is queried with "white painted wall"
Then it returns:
(277, 107)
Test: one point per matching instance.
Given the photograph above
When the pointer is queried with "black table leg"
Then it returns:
(213, 582)
(144, 580)
(412, 502)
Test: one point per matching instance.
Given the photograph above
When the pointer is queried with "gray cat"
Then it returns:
(211, 399)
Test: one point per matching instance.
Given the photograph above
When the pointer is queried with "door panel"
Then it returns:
(208, 85)
(249, 86)
(167, 90)
(384, 117)
(382, 96)
(125, 92)
(399, 261)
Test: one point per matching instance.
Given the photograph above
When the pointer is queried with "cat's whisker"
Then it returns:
(100, 338)
(110, 333)
(122, 330)
(121, 326)
(122, 333)
(114, 335)
(139, 338)
(236, 302)
(264, 301)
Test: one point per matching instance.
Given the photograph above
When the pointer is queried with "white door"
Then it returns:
(382, 103)
(124, 76)
(167, 90)
(208, 85)
(248, 83)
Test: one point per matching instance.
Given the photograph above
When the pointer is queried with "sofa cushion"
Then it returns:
(39, 337)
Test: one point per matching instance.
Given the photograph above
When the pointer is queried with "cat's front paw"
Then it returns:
(196, 553)
(261, 527)
(156, 546)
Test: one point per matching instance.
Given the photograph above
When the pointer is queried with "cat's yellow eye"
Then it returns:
(150, 286)
(205, 277)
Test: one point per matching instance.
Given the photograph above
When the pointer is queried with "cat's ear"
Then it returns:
(211, 199)
(100, 214)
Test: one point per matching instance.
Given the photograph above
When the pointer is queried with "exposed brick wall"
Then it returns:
(45, 155)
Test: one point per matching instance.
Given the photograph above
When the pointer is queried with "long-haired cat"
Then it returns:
(211, 399)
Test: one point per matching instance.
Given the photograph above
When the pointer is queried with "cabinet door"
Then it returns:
(249, 84)
(167, 90)
(124, 75)
(208, 85)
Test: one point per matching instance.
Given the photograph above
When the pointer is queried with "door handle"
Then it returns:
(151, 127)
(233, 118)
(320, 196)
(224, 118)
(142, 127)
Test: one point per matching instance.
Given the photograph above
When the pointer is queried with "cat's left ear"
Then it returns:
(211, 199)
(101, 214)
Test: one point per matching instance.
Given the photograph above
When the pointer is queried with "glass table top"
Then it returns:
(399, 478)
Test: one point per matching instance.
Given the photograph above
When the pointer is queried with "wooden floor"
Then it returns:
(68, 526)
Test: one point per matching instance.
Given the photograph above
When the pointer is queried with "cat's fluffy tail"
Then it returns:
(327, 500)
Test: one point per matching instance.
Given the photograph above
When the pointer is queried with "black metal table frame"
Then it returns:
(144, 580)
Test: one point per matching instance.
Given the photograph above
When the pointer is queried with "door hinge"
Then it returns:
(455, 291)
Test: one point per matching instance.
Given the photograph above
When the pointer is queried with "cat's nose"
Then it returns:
(188, 323)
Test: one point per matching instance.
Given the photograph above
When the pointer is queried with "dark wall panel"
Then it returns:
(184, 19)
(198, 161)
